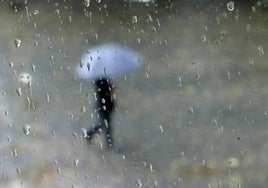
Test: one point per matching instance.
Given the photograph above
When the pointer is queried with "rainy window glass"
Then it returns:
(133, 93)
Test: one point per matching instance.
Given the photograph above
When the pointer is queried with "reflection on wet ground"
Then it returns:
(195, 116)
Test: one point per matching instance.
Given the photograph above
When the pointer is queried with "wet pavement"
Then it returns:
(194, 116)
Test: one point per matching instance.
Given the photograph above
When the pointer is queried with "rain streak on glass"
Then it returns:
(230, 6)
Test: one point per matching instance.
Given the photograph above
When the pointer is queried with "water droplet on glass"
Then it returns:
(19, 170)
(25, 78)
(248, 27)
(228, 74)
(35, 12)
(88, 66)
(203, 38)
(76, 161)
(47, 97)
(260, 50)
(134, 19)
(230, 6)
(84, 131)
(139, 183)
(191, 110)
(59, 170)
(214, 121)
(33, 67)
(151, 167)
(87, 3)
(14, 152)
(17, 43)
(19, 92)
(161, 128)
(57, 12)
(26, 129)
(83, 109)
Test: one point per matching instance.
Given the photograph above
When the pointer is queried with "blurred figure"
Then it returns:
(102, 64)
(105, 101)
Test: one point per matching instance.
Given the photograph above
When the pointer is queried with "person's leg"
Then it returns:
(108, 133)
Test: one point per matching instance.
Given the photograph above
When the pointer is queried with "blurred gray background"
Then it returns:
(195, 115)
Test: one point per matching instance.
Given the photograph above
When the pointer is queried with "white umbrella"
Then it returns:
(108, 61)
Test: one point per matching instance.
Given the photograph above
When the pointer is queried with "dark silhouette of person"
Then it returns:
(105, 104)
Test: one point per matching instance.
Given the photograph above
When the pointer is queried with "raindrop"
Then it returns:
(36, 12)
(248, 27)
(214, 121)
(14, 152)
(191, 110)
(9, 139)
(17, 43)
(53, 132)
(251, 63)
(83, 109)
(57, 12)
(105, 70)
(47, 97)
(134, 19)
(139, 183)
(26, 129)
(88, 66)
(96, 36)
(260, 50)
(228, 74)
(150, 19)
(25, 78)
(19, 170)
(28, 104)
(6, 112)
(84, 131)
(87, 3)
(161, 128)
(76, 161)
(203, 38)
(230, 6)
(75, 135)
(11, 64)
(59, 170)
(19, 92)
(151, 167)
(33, 67)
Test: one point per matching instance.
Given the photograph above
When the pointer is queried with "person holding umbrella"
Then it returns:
(102, 64)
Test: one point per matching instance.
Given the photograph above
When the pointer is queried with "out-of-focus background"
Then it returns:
(194, 116)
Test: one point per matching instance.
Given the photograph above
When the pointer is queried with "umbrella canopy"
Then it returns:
(108, 60)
